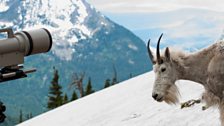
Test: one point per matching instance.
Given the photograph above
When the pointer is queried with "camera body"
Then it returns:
(14, 48)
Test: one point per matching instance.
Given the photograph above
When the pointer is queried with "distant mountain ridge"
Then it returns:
(84, 41)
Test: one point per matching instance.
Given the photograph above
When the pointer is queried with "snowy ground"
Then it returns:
(130, 104)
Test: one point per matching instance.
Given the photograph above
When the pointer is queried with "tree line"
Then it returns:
(56, 97)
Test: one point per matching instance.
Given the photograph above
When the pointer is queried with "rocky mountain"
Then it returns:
(84, 40)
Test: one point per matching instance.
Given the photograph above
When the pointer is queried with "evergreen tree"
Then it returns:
(65, 99)
(107, 83)
(89, 89)
(20, 116)
(114, 79)
(74, 96)
(55, 98)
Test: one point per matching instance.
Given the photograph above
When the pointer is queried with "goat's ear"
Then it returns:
(167, 53)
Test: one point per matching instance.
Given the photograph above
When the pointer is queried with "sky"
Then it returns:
(185, 23)
(144, 6)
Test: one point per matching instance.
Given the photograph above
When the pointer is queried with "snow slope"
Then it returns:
(130, 104)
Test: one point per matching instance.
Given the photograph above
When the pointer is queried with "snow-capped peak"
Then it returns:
(57, 16)
(66, 20)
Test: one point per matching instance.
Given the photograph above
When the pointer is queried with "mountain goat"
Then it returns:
(205, 67)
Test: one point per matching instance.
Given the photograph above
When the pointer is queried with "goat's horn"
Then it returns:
(150, 52)
(158, 51)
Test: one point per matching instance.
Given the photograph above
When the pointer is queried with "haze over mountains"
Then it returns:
(189, 28)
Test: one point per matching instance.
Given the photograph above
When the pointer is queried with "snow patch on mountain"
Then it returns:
(7, 24)
(131, 61)
(131, 46)
(3, 7)
(57, 15)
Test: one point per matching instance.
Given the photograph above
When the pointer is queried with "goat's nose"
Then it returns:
(155, 96)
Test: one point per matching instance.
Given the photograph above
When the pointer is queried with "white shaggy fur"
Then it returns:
(205, 67)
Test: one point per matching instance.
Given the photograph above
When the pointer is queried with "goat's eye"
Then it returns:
(163, 69)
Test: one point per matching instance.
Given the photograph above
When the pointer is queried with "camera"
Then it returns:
(16, 46)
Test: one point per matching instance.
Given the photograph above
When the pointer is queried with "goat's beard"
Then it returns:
(172, 95)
